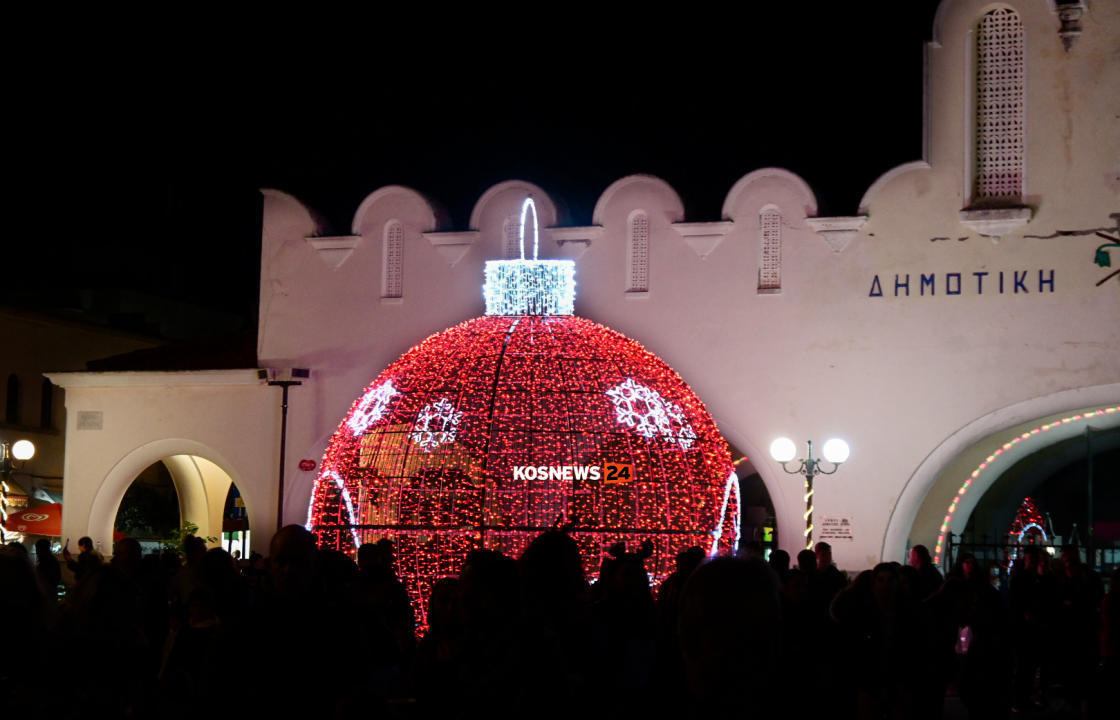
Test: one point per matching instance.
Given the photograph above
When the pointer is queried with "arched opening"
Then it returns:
(990, 477)
(149, 510)
(181, 493)
(758, 521)
(235, 524)
(1069, 488)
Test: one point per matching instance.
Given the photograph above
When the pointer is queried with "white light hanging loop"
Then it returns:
(529, 286)
(525, 206)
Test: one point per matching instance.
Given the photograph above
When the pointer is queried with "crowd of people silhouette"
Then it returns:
(314, 633)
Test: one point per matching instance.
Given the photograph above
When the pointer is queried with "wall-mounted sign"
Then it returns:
(307, 465)
(89, 420)
(982, 282)
(833, 529)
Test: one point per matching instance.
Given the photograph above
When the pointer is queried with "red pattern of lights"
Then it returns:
(518, 391)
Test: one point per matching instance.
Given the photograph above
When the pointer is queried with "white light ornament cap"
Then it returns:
(836, 451)
(530, 287)
(23, 450)
(783, 450)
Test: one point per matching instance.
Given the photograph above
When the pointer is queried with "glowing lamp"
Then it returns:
(783, 449)
(836, 451)
(23, 450)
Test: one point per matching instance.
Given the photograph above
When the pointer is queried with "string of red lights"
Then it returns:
(433, 454)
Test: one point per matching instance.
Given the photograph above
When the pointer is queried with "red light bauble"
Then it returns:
(436, 454)
(493, 431)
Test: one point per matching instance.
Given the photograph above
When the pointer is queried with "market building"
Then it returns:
(960, 321)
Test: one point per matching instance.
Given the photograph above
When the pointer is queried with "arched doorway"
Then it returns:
(235, 523)
(178, 493)
(1068, 488)
(758, 520)
(945, 490)
(203, 487)
(149, 511)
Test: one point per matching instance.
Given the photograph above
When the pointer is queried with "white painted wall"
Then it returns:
(228, 420)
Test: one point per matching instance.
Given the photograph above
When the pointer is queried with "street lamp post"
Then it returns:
(835, 452)
(21, 450)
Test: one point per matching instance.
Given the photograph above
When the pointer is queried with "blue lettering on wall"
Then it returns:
(954, 283)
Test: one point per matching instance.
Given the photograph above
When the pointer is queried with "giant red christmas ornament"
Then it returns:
(490, 432)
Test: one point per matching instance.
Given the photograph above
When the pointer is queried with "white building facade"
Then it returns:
(958, 313)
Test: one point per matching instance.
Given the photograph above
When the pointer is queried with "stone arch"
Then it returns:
(418, 207)
(667, 199)
(886, 179)
(201, 475)
(775, 185)
(950, 13)
(287, 209)
(964, 465)
(753, 459)
(544, 203)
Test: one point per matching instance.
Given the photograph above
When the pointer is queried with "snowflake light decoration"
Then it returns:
(643, 409)
(371, 407)
(442, 414)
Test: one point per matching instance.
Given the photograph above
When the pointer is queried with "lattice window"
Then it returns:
(511, 237)
(392, 260)
(999, 107)
(770, 251)
(638, 280)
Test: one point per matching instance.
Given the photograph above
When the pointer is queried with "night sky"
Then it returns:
(138, 166)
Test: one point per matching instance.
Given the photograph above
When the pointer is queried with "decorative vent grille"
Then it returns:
(393, 259)
(511, 239)
(639, 253)
(770, 260)
(999, 107)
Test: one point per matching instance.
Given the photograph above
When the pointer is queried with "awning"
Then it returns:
(15, 489)
(41, 520)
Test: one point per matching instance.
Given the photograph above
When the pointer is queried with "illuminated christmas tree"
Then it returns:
(526, 419)
(1028, 524)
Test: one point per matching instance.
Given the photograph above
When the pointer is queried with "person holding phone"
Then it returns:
(88, 558)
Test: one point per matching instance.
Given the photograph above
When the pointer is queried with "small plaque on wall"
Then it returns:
(835, 529)
(89, 419)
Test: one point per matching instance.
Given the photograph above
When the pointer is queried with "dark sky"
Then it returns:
(139, 166)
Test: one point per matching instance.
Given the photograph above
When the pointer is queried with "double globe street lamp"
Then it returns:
(784, 450)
